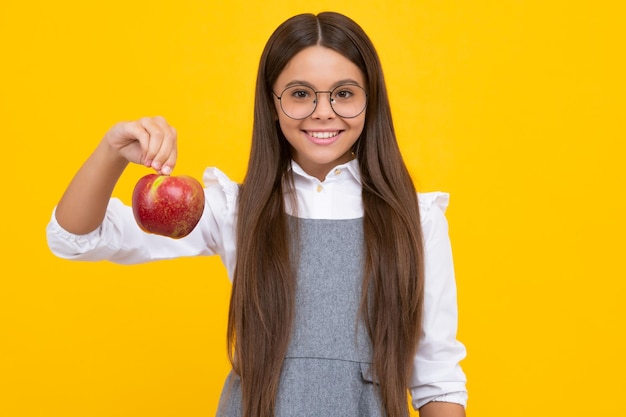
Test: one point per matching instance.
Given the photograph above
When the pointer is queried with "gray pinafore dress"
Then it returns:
(326, 372)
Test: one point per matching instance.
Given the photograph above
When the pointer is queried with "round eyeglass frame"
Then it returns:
(330, 94)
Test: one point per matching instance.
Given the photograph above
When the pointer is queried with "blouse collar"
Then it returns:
(350, 167)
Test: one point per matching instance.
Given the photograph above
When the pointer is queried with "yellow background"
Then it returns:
(514, 107)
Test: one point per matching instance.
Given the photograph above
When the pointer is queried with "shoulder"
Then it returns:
(433, 203)
(432, 208)
(219, 188)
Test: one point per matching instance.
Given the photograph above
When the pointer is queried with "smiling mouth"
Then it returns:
(323, 135)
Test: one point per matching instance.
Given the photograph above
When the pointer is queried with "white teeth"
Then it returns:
(323, 135)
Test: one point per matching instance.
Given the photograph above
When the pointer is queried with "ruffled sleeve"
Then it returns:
(436, 199)
(119, 239)
(227, 188)
(221, 199)
(437, 374)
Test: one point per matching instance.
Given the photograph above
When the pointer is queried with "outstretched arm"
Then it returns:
(149, 141)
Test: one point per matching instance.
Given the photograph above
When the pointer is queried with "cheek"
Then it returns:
(286, 124)
(285, 128)
(359, 126)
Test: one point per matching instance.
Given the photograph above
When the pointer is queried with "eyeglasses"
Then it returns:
(299, 101)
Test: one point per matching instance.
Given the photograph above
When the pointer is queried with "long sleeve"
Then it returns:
(437, 374)
(119, 239)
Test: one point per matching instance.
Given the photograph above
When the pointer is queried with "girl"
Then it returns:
(343, 287)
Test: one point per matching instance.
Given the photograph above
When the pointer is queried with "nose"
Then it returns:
(323, 108)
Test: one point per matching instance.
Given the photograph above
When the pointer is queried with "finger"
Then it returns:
(156, 134)
(165, 159)
(170, 162)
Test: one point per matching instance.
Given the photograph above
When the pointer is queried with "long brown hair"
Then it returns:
(262, 301)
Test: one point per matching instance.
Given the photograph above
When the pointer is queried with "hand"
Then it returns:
(150, 141)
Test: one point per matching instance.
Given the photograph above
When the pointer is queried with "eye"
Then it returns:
(343, 94)
(347, 92)
(300, 92)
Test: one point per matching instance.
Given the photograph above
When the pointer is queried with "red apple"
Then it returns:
(168, 205)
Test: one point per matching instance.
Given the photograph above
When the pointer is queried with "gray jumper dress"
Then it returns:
(326, 372)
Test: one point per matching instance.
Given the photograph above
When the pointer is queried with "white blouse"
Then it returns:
(437, 374)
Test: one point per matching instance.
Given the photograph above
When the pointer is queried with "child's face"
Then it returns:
(322, 140)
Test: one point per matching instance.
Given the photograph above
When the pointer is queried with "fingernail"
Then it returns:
(166, 170)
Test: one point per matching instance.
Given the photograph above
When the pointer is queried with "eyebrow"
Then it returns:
(335, 85)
